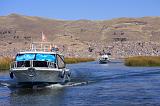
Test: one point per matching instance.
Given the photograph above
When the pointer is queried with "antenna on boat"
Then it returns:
(31, 45)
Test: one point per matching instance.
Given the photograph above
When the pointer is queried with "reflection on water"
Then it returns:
(91, 84)
(43, 97)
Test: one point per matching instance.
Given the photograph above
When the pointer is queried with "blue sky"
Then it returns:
(81, 9)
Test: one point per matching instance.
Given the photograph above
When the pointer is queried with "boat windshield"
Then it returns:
(38, 57)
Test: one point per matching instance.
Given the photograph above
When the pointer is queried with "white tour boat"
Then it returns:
(104, 59)
(40, 64)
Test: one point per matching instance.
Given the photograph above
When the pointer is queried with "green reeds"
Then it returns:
(5, 63)
(78, 60)
(148, 61)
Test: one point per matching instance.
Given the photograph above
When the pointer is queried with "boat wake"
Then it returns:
(125, 75)
(6, 83)
(3, 84)
(41, 86)
(69, 84)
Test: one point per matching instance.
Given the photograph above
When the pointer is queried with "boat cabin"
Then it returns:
(39, 60)
(39, 57)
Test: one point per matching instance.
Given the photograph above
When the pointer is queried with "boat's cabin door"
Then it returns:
(60, 61)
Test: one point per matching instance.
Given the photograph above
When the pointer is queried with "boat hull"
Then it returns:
(41, 75)
(103, 61)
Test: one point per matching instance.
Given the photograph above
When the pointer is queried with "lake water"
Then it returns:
(92, 84)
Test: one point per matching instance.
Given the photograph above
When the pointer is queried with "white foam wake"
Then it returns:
(55, 86)
(69, 84)
(4, 84)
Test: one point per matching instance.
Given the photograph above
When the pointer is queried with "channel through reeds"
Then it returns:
(149, 61)
(5, 61)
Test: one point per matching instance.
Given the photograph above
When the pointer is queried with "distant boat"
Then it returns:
(40, 64)
(104, 59)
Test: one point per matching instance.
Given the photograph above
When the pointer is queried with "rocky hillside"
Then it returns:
(17, 31)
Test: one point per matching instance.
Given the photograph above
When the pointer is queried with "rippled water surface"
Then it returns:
(92, 84)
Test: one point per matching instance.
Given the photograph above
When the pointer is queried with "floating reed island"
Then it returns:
(148, 61)
(5, 61)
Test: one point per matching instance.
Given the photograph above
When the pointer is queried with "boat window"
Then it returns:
(39, 57)
(24, 57)
(45, 57)
(40, 64)
(23, 64)
(60, 60)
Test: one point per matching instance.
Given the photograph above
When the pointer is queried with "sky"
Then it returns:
(81, 9)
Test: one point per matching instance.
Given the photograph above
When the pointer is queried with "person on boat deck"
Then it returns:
(103, 52)
(55, 48)
(90, 49)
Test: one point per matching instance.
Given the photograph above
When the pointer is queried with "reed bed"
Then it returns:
(78, 60)
(149, 61)
(5, 63)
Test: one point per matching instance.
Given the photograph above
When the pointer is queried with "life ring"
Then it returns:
(31, 72)
(11, 75)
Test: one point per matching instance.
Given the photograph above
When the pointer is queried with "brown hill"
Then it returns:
(17, 31)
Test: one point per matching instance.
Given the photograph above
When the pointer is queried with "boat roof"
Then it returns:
(41, 52)
(104, 56)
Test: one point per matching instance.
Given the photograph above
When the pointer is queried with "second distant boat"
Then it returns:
(104, 59)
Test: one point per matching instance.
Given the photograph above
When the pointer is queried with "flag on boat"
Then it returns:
(43, 37)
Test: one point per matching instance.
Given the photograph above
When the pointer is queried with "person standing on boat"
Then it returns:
(55, 48)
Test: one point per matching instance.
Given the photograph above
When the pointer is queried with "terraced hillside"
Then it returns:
(76, 37)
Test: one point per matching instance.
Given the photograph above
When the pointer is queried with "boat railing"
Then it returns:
(13, 65)
(43, 46)
(40, 50)
(51, 64)
(32, 63)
